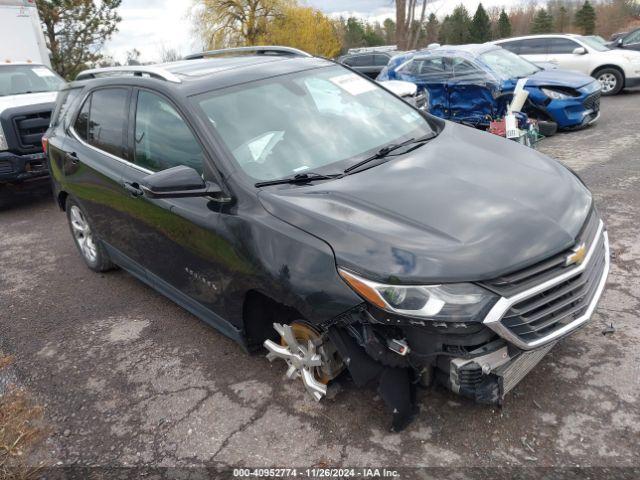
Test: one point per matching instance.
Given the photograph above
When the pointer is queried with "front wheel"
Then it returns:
(88, 245)
(611, 81)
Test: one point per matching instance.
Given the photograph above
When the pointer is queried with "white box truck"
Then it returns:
(28, 89)
(21, 37)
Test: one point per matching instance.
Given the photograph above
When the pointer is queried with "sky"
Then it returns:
(151, 25)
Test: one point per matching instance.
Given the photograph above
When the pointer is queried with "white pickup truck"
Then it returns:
(28, 89)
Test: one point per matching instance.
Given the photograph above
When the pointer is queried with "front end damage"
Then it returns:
(482, 359)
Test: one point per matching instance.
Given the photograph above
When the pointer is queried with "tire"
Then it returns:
(611, 80)
(91, 249)
(547, 128)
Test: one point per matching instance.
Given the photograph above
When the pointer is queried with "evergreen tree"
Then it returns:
(76, 30)
(562, 20)
(542, 22)
(433, 29)
(444, 33)
(460, 28)
(480, 26)
(586, 19)
(504, 25)
(389, 31)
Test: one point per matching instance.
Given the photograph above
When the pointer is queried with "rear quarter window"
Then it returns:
(64, 102)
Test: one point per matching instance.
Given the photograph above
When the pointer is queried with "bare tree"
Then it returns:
(169, 55)
(408, 25)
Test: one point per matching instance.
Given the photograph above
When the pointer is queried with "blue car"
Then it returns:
(474, 84)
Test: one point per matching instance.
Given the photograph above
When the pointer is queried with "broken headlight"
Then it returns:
(554, 94)
(454, 302)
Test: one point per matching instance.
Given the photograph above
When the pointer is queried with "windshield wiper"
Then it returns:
(388, 149)
(299, 178)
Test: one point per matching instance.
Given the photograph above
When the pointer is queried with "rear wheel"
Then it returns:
(92, 251)
(611, 81)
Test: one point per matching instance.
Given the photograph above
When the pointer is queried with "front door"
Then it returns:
(177, 241)
(561, 54)
(433, 74)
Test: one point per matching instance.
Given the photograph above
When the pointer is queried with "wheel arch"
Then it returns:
(605, 66)
(61, 198)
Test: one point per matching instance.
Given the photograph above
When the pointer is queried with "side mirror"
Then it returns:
(580, 51)
(619, 41)
(178, 182)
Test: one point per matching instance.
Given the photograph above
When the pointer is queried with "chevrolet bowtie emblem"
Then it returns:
(577, 257)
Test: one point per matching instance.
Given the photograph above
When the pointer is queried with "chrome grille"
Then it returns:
(557, 305)
(539, 315)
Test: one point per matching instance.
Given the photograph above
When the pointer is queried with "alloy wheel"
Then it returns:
(608, 82)
(82, 234)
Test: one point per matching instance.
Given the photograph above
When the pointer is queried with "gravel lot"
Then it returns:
(126, 377)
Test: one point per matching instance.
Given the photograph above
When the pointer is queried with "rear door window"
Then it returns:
(107, 120)
(362, 61)
(380, 60)
(562, 46)
(465, 69)
(162, 137)
(534, 46)
(512, 46)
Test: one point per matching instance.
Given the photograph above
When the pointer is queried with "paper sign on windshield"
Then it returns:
(353, 84)
(43, 72)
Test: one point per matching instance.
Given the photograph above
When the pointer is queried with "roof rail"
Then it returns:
(135, 70)
(260, 50)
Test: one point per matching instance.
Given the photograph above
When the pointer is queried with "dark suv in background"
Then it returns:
(292, 203)
(368, 63)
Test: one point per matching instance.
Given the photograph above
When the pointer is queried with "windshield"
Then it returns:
(508, 64)
(326, 118)
(20, 79)
(592, 42)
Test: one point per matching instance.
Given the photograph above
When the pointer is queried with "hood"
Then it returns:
(559, 78)
(467, 206)
(26, 99)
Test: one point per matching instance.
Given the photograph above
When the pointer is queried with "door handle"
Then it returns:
(72, 158)
(133, 189)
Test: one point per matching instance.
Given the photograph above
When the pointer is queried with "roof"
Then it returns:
(206, 74)
(470, 50)
(545, 35)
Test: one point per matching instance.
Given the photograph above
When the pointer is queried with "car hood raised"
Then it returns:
(559, 78)
(467, 206)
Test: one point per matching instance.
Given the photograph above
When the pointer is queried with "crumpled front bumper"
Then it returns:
(19, 168)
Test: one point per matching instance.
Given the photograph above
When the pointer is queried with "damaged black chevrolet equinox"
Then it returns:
(294, 204)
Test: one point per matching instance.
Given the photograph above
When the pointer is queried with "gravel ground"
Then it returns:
(127, 378)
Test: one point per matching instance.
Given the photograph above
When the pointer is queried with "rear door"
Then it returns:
(533, 49)
(177, 241)
(95, 152)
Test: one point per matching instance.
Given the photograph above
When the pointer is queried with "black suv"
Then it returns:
(292, 203)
